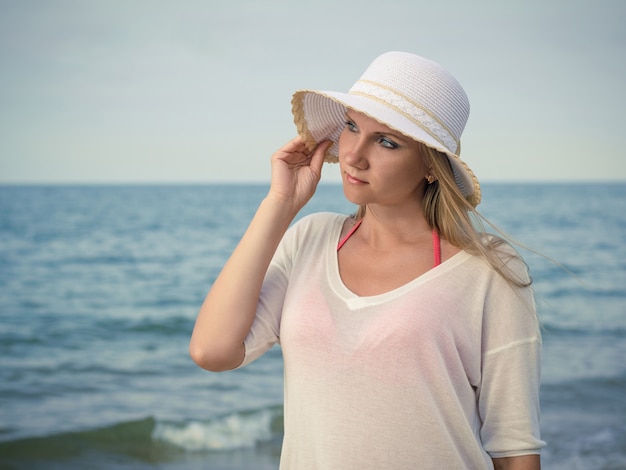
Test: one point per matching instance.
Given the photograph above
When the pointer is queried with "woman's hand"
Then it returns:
(296, 171)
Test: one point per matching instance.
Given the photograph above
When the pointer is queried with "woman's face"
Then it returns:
(379, 165)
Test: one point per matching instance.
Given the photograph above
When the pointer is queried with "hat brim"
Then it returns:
(321, 115)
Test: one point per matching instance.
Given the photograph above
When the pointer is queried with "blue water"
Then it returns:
(99, 288)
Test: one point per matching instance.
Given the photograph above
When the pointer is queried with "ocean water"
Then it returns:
(100, 285)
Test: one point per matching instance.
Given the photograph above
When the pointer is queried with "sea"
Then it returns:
(100, 286)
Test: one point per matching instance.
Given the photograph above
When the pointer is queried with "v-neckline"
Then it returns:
(345, 292)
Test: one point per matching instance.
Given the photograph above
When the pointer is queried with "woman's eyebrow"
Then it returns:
(392, 134)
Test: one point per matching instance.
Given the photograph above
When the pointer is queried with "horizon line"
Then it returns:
(263, 183)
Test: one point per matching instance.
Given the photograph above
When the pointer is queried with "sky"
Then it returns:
(195, 91)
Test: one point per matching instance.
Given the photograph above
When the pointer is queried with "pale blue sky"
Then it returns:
(198, 91)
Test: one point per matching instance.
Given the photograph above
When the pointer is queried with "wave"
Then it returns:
(230, 432)
(150, 439)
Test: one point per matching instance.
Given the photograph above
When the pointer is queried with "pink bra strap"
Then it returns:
(349, 234)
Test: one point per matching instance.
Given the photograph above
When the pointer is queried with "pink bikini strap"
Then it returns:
(436, 247)
(436, 242)
(348, 235)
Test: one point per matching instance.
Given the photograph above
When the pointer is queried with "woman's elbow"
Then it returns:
(216, 359)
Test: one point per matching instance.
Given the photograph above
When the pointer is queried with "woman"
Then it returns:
(409, 339)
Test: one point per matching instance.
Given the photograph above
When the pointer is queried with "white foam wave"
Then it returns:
(233, 431)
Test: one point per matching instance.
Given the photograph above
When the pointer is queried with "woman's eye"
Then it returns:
(385, 142)
(351, 126)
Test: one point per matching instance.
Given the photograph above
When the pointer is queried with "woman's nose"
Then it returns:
(352, 151)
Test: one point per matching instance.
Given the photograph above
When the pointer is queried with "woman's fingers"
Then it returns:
(317, 159)
(295, 152)
(296, 170)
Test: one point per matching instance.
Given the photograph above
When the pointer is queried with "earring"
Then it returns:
(430, 179)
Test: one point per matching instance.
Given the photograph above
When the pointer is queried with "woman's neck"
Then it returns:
(385, 229)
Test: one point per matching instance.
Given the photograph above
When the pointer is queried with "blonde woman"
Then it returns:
(409, 338)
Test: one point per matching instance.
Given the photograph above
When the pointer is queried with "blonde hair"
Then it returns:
(457, 220)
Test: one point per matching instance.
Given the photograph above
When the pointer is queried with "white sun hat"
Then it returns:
(412, 95)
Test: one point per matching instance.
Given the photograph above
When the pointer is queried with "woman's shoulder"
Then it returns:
(506, 259)
(319, 227)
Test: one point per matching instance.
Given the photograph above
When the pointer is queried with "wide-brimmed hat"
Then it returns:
(412, 95)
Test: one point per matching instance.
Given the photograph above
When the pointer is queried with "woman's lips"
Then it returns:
(352, 180)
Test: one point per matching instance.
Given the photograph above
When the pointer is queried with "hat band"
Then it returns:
(407, 108)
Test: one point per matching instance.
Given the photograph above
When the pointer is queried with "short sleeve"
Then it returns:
(508, 397)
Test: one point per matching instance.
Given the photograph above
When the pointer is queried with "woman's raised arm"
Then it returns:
(227, 313)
